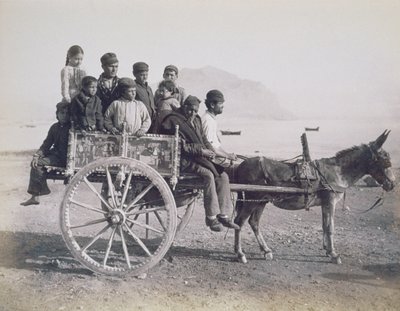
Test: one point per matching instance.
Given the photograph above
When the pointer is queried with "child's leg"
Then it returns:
(37, 181)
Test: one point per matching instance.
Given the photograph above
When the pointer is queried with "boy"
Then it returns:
(108, 80)
(53, 152)
(86, 107)
(215, 106)
(126, 110)
(166, 102)
(171, 73)
(144, 93)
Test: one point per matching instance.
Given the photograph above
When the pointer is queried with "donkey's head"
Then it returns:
(379, 167)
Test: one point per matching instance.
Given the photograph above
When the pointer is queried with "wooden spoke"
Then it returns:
(143, 225)
(127, 183)
(96, 237)
(139, 197)
(139, 241)
(160, 220)
(121, 232)
(110, 241)
(91, 187)
(147, 210)
(111, 187)
(89, 223)
(87, 206)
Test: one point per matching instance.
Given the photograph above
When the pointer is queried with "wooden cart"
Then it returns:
(126, 200)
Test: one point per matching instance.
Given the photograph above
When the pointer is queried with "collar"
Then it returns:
(212, 115)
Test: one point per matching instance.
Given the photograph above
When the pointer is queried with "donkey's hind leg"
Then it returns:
(254, 222)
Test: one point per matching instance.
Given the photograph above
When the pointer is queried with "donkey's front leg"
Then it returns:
(328, 227)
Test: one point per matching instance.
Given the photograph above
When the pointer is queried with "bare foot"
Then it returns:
(31, 201)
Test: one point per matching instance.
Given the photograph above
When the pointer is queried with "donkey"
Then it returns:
(336, 174)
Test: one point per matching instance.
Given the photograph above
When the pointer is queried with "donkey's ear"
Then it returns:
(381, 139)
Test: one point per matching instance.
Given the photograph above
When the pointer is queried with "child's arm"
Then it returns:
(145, 117)
(65, 76)
(99, 115)
(108, 119)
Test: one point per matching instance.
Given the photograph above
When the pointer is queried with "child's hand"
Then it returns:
(91, 128)
(83, 132)
(35, 161)
(114, 131)
(140, 133)
(104, 130)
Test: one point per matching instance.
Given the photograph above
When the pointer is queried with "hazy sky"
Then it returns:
(318, 56)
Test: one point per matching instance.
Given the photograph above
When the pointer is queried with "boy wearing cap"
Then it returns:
(144, 93)
(215, 106)
(171, 73)
(126, 111)
(52, 152)
(196, 157)
(86, 107)
(108, 80)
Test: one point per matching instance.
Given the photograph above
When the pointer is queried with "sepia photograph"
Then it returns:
(199, 155)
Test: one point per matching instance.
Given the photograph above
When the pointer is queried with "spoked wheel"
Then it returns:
(124, 230)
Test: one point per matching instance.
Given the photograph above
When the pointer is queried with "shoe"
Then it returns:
(214, 224)
(226, 222)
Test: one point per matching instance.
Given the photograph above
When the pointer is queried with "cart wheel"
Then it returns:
(123, 231)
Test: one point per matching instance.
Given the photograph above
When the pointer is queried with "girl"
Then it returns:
(166, 103)
(72, 74)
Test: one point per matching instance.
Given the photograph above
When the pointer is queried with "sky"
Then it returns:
(322, 59)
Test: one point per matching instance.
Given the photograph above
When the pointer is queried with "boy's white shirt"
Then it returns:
(134, 113)
(210, 129)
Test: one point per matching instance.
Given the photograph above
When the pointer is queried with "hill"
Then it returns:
(244, 98)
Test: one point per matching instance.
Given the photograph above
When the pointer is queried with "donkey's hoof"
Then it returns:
(268, 256)
(242, 259)
(336, 260)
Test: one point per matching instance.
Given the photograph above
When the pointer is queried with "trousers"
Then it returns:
(217, 193)
(37, 178)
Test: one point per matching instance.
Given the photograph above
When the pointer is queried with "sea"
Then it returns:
(277, 139)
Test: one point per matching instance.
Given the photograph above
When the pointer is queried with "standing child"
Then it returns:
(86, 107)
(52, 152)
(126, 110)
(72, 74)
(166, 102)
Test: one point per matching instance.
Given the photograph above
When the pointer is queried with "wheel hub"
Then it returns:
(118, 217)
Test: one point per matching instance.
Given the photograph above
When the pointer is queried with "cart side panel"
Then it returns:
(93, 146)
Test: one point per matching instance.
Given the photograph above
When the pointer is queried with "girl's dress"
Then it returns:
(71, 78)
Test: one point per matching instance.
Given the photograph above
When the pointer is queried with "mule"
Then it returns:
(335, 175)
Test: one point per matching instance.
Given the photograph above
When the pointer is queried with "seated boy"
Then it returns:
(86, 107)
(53, 152)
(126, 111)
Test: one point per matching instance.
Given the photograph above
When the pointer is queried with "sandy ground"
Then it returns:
(37, 272)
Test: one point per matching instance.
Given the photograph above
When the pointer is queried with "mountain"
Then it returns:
(244, 98)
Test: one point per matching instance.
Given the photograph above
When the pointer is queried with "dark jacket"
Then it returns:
(192, 141)
(86, 111)
(107, 95)
(56, 142)
(144, 93)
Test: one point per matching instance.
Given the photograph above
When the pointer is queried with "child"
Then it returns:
(127, 111)
(52, 152)
(72, 74)
(86, 107)
(108, 80)
(171, 73)
(166, 102)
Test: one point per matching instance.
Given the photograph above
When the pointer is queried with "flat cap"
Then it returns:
(124, 83)
(140, 66)
(191, 100)
(171, 68)
(215, 95)
(108, 59)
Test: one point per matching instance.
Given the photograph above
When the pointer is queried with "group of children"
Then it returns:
(105, 104)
